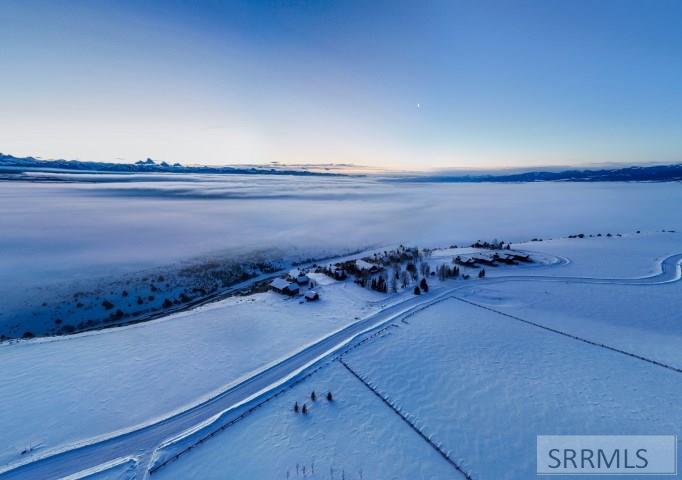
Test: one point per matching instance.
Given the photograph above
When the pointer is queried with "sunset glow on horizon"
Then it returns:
(390, 85)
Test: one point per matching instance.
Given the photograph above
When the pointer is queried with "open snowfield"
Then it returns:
(498, 372)
(353, 437)
(485, 385)
(475, 381)
(632, 255)
(115, 379)
(643, 319)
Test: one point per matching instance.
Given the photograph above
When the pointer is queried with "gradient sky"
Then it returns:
(499, 83)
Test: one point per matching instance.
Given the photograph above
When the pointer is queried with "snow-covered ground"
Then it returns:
(646, 320)
(119, 469)
(353, 437)
(485, 386)
(481, 385)
(629, 256)
(456, 370)
(115, 379)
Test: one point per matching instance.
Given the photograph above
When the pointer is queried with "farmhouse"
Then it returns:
(299, 276)
(281, 285)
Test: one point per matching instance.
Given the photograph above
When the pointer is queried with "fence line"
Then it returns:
(404, 418)
(574, 337)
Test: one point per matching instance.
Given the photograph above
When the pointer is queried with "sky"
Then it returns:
(388, 84)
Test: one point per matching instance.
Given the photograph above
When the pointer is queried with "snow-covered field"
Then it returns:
(115, 379)
(485, 386)
(482, 385)
(643, 319)
(353, 437)
(469, 378)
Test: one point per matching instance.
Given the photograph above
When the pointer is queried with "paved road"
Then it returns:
(143, 440)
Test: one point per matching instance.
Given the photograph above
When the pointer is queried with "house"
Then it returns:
(467, 262)
(311, 296)
(484, 261)
(298, 276)
(506, 258)
(363, 266)
(283, 286)
(521, 258)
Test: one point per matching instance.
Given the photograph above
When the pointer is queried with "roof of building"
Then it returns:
(311, 294)
(279, 284)
(363, 265)
(295, 273)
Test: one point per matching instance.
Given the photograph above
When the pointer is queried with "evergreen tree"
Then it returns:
(313, 397)
(329, 396)
(417, 291)
(423, 285)
(296, 407)
(481, 274)
(304, 409)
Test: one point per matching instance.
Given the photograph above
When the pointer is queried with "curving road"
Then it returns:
(142, 441)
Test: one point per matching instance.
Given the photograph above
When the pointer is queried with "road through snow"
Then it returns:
(142, 440)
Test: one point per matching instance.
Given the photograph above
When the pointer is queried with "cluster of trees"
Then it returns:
(494, 245)
(422, 287)
(399, 255)
(313, 397)
(582, 235)
(379, 284)
(445, 271)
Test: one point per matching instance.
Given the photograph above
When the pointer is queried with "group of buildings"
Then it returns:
(295, 280)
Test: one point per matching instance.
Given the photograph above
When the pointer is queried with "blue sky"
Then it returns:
(498, 83)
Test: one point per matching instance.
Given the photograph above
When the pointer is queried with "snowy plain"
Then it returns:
(70, 389)
(479, 384)
(112, 380)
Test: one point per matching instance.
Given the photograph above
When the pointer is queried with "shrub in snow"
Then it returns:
(417, 290)
(107, 305)
(423, 285)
